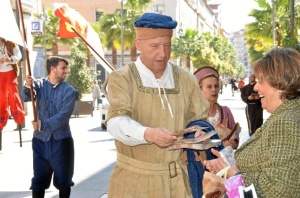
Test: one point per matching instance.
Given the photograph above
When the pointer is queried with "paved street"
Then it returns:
(94, 159)
(94, 154)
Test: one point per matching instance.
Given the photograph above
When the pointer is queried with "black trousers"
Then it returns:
(254, 114)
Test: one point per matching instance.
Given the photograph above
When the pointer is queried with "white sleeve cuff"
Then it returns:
(127, 131)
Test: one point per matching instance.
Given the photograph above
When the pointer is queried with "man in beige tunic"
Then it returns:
(149, 100)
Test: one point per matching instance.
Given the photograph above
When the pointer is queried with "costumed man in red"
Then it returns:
(10, 55)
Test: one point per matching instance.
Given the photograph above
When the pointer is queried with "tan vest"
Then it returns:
(146, 170)
(10, 50)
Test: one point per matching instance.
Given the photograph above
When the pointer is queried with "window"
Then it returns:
(98, 13)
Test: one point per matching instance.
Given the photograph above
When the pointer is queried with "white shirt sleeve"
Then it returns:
(127, 130)
(17, 54)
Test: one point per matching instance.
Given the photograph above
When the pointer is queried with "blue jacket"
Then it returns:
(54, 107)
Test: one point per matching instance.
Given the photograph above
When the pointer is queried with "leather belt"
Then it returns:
(146, 168)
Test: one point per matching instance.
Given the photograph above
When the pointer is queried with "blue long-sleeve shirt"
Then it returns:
(54, 107)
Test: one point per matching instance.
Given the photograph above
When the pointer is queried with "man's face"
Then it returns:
(155, 53)
(251, 78)
(60, 71)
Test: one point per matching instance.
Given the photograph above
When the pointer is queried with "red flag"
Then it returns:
(65, 31)
(70, 18)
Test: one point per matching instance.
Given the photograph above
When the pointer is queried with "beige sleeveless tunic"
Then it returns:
(144, 170)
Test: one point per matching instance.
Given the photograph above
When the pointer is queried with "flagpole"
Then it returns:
(27, 59)
(86, 42)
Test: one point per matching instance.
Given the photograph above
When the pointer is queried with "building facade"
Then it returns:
(91, 10)
(193, 14)
(238, 39)
(200, 15)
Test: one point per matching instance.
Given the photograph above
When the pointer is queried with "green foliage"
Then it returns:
(51, 29)
(137, 4)
(207, 50)
(109, 27)
(290, 41)
(80, 76)
(259, 33)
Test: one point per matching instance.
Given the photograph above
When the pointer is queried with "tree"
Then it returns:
(52, 40)
(208, 50)
(186, 46)
(259, 33)
(110, 28)
(137, 4)
(107, 30)
(80, 76)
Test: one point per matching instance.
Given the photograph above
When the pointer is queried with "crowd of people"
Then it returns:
(269, 159)
(139, 130)
(145, 166)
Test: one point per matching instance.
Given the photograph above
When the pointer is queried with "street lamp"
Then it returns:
(180, 33)
(44, 17)
(122, 31)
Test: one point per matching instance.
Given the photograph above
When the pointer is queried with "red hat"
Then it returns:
(206, 71)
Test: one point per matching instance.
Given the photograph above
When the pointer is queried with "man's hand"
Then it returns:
(253, 97)
(36, 125)
(159, 136)
(200, 133)
(29, 81)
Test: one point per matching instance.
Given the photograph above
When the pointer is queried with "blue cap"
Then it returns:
(154, 20)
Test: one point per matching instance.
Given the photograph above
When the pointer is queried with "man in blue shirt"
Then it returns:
(52, 143)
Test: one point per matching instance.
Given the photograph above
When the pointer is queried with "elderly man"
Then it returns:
(149, 100)
(253, 110)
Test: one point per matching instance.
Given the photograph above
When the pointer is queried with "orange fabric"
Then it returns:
(70, 18)
(241, 84)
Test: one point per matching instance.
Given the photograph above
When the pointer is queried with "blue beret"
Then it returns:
(154, 20)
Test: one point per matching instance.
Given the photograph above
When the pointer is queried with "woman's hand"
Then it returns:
(231, 143)
(216, 165)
